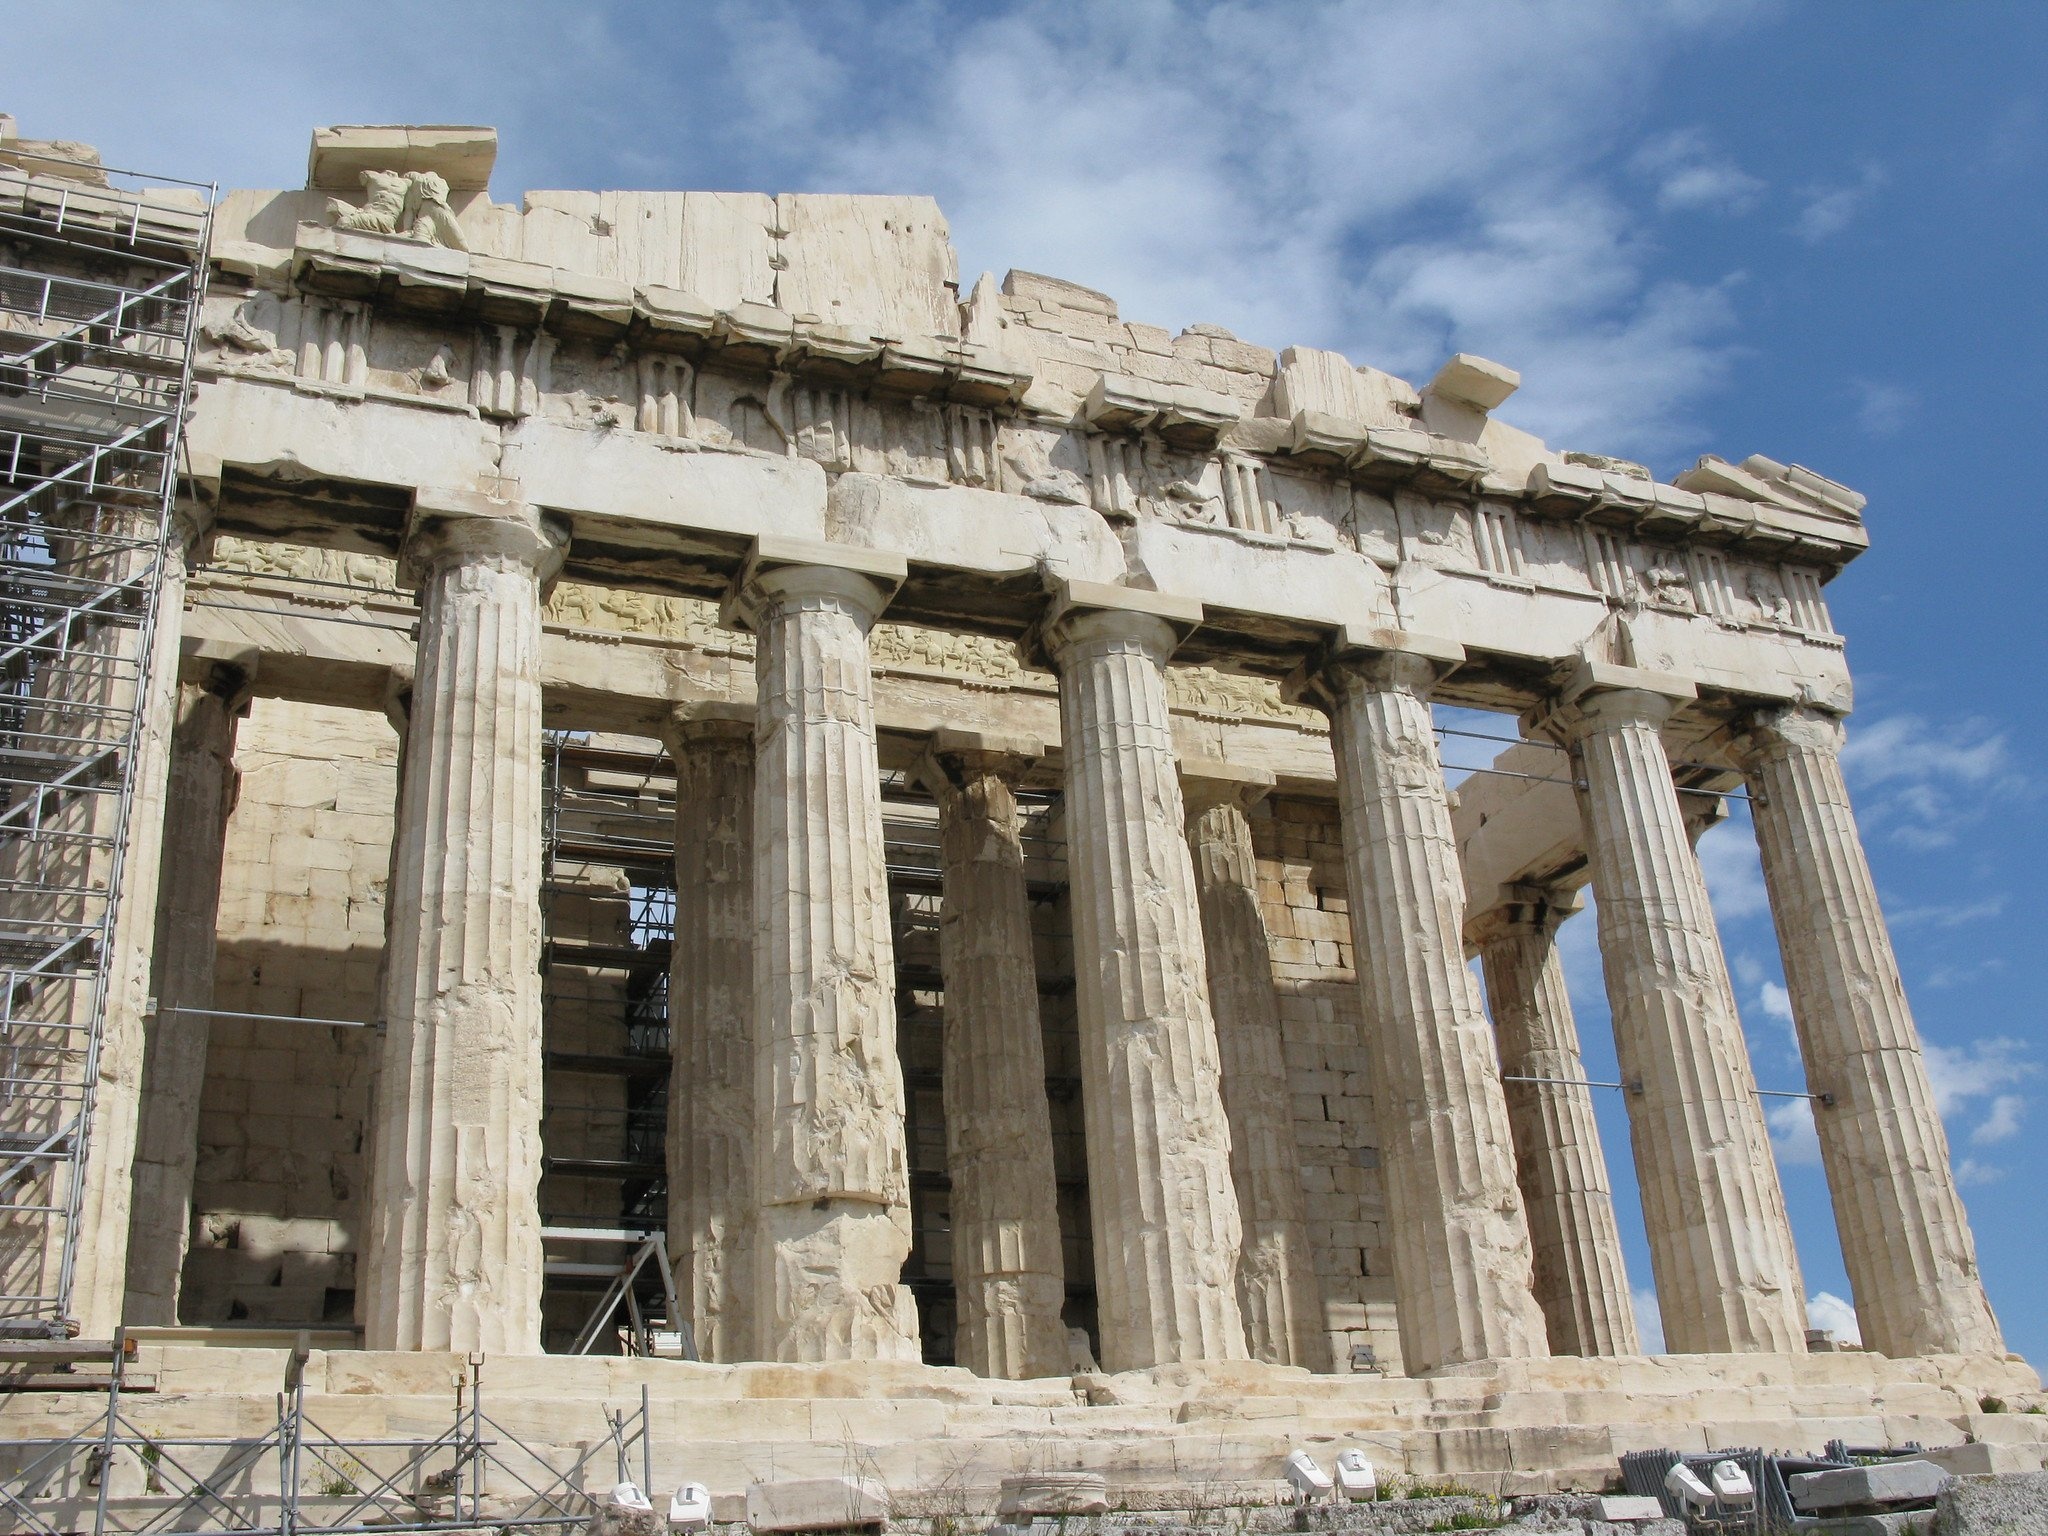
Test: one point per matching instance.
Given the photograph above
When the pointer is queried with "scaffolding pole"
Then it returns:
(101, 276)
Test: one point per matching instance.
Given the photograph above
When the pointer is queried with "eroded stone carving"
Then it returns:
(413, 204)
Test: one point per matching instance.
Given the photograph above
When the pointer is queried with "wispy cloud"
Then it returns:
(1882, 408)
(1831, 208)
(1986, 1073)
(1691, 175)
(2003, 1121)
(1958, 914)
(1918, 782)
(1793, 1136)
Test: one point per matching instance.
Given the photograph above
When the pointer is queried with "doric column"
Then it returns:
(711, 1028)
(1276, 1269)
(99, 1274)
(830, 1166)
(1008, 1274)
(1905, 1239)
(201, 796)
(1459, 1242)
(1163, 1206)
(1720, 1244)
(454, 1252)
(1580, 1280)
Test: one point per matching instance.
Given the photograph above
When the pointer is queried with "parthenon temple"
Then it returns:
(711, 802)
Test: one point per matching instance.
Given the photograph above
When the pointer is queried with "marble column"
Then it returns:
(454, 1250)
(201, 796)
(711, 1028)
(1277, 1288)
(1905, 1239)
(830, 1163)
(1720, 1243)
(1457, 1235)
(1581, 1283)
(1163, 1205)
(1008, 1273)
(105, 1197)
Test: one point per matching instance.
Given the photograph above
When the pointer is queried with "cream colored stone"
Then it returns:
(1165, 1215)
(1720, 1242)
(711, 1106)
(1276, 1280)
(829, 1159)
(1008, 1276)
(454, 1227)
(1459, 1239)
(1576, 1248)
(1905, 1241)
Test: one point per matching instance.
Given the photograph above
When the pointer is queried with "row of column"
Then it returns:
(790, 1201)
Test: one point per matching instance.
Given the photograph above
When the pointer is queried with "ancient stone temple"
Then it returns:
(686, 720)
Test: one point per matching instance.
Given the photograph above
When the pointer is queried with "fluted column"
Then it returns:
(1276, 1271)
(1163, 1205)
(1720, 1244)
(1008, 1275)
(1581, 1283)
(830, 1165)
(454, 1251)
(1905, 1238)
(1459, 1241)
(201, 795)
(711, 1028)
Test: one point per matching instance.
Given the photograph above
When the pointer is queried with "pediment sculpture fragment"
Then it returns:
(413, 206)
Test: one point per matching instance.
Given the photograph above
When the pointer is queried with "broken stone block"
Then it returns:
(1855, 1488)
(1627, 1508)
(1982, 1458)
(817, 1504)
(1053, 1493)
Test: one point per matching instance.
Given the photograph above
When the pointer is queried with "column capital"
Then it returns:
(778, 569)
(951, 755)
(706, 720)
(1386, 659)
(451, 527)
(1084, 611)
(192, 523)
(1599, 694)
(1767, 732)
(1207, 782)
(1523, 909)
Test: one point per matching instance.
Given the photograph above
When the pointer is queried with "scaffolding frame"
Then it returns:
(101, 279)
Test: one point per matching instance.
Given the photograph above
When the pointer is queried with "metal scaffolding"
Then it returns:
(100, 279)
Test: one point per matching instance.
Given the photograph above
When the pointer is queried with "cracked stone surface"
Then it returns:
(1460, 1243)
(1721, 1247)
(1163, 1205)
(1581, 1283)
(711, 1034)
(454, 1249)
(1905, 1240)
(1276, 1279)
(1008, 1275)
(830, 1162)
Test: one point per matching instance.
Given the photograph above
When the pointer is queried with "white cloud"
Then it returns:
(1691, 175)
(2002, 1122)
(1970, 1174)
(1825, 1309)
(1734, 872)
(1831, 209)
(1959, 914)
(1981, 1069)
(1649, 1319)
(1793, 1137)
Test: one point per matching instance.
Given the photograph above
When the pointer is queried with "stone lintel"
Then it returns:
(1208, 781)
(884, 571)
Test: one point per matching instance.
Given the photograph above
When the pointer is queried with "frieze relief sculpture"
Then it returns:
(413, 206)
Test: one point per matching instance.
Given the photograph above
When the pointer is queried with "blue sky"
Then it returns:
(1731, 226)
